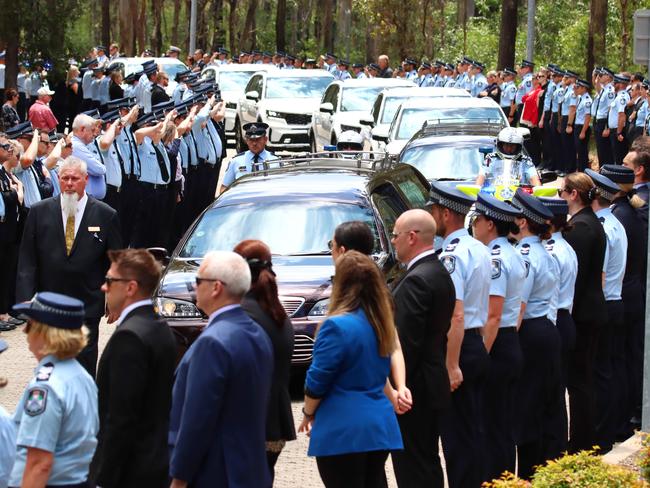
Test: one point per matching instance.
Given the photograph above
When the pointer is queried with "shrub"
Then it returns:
(507, 480)
(644, 458)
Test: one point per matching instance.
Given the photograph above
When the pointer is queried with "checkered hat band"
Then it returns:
(606, 194)
(493, 214)
(614, 175)
(529, 214)
(38, 305)
(449, 203)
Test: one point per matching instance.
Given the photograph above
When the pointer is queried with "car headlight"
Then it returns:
(231, 105)
(319, 309)
(350, 127)
(272, 113)
(179, 309)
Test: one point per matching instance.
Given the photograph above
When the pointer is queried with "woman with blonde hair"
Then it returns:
(349, 418)
(56, 417)
(73, 92)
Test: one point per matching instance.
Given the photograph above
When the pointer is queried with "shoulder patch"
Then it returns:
(601, 220)
(36, 401)
(496, 250)
(610, 94)
(451, 247)
(240, 154)
(496, 268)
(549, 245)
(525, 249)
(45, 372)
(449, 262)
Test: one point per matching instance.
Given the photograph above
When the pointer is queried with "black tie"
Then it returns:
(161, 164)
(256, 160)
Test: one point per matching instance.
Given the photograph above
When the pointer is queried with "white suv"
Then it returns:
(285, 100)
(344, 103)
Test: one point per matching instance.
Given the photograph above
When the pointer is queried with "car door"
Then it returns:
(322, 127)
(248, 108)
(328, 119)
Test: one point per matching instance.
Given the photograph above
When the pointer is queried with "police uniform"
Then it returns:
(479, 81)
(522, 170)
(583, 109)
(246, 162)
(541, 434)
(468, 262)
(618, 106)
(343, 74)
(508, 93)
(57, 412)
(86, 82)
(568, 147)
(524, 87)
(602, 102)
(548, 140)
(556, 126)
(607, 397)
(110, 157)
(639, 121)
(506, 359)
(26, 176)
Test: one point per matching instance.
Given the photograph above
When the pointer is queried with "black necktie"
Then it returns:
(256, 161)
(161, 164)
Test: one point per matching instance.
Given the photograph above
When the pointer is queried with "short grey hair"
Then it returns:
(229, 268)
(81, 121)
(72, 162)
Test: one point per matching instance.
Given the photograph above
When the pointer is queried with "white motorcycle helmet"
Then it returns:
(349, 141)
(510, 143)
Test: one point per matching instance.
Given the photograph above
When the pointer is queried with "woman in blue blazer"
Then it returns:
(349, 418)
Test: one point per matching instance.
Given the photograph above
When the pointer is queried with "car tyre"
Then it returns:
(239, 139)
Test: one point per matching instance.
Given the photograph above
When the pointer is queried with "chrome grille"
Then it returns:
(297, 119)
(303, 348)
(291, 304)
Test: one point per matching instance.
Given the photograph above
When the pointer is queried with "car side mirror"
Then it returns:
(160, 254)
(380, 137)
(327, 108)
(252, 95)
(367, 120)
(485, 150)
(547, 177)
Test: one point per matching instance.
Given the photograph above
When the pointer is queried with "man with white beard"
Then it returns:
(64, 250)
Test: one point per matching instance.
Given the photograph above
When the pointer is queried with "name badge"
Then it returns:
(93, 229)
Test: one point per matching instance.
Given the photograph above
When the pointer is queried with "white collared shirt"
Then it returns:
(130, 308)
(216, 313)
(81, 207)
(423, 254)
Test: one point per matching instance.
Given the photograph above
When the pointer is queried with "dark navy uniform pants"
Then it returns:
(634, 300)
(582, 147)
(568, 147)
(619, 148)
(603, 146)
(556, 143)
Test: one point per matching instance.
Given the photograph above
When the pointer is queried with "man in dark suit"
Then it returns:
(158, 94)
(134, 378)
(221, 391)
(638, 160)
(64, 248)
(424, 302)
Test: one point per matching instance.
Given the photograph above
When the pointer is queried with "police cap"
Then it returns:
(583, 83)
(374, 66)
(255, 130)
(163, 107)
(618, 174)
(606, 72)
(24, 129)
(331, 56)
(145, 119)
(621, 78)
(527, 64)
(111, 116)
(94, 113)
(509, 72)
(606, 186)
(88, 63)
(450, 197)
(411, 61)
(478, 64)
(343, 62)
(557, 206)
(495, 209)
(531, 207)
(425, 65)
(571, 74)
(358, 65)
(53, 309)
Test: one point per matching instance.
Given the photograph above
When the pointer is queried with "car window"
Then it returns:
(377, 107)
(412, 119)
(389, 205)
(436, 162)
(331, 95)
(297, 227)
(252, 83)
(209, 73)
(172, 68)
(297, 87)
(411, 187)
(359, 98)
(233, 81)
(391, 105)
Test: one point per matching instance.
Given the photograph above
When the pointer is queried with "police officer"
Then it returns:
(410, 67)
(177, 94)
(108, 154)
(602, 103)
(539, 390)
(57, 414)
(330, 63)
(581, 123)
(468, 263)
(450, 80)
(607, 393)
(641, 111)
(28, 138)
(550, 136)
(147, 81)
(357, 69)
(616, 119)
(439, 77)
(508, 94)
(98, 75)
(567, 106)
(342, 72)
(526, 74)
(87, 67)
(560, 313)
(425, 78)
(556, 122)
(492, 222)
(479, 81)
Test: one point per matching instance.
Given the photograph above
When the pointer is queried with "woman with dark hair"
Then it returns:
(10, 116)
(350, 420)
(587, 238)
(262, 304)
(541, 434)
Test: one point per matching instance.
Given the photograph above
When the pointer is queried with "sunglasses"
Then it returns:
(198, 280)
(6, 147)
(109, 280)
(561, 190)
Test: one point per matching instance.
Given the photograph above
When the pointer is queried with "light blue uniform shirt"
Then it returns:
(493, 167)
(468, 264)
(412, 75)
(94, 89)
(177, 94)
(131, 91)
(342, 75)
(242, 164)
(331, 68)
(2, 208)
(30, 185)
(201, 136)
(548, 98)
(616, 107)
(361, 76)
(542, 278)
(450, 82)
(641, 114)
(426, 80)
(112, 163)
(607, 95)
(558, 96)
(465, 82)
(567, 266)
(615, 254)
(508, 273)
(568, 100)
(583, 108)
(89, 154)
(479, 84)
(188, 152)
(149, 168)
(104, 86)
(54, 178)
(524, 87)
(7, 445)
(508, 92)
(58, 413)
(126, 147)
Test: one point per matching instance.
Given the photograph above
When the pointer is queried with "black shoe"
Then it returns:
(6, 326)
(15, 321)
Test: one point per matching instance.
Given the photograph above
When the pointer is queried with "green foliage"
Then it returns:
(644, 459)
(507, 480)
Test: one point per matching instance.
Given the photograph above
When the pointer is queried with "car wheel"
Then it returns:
(239, 139)
(312, 143)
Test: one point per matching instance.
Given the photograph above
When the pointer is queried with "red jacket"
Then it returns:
(530, 113)
(41, 116)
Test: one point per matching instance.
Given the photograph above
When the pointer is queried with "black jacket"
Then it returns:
(44, 265)
(8, 223)
(279, 420)
(588, 240)
(158, 95)
(644, 193)
(135, 377)
(424, 302)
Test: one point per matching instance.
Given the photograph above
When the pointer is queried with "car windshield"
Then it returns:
(359, 98)
(412, 118)
(390, 108)
(297, 87)
(288, 228)
(437, 162)
(172, 69)
(234, 80)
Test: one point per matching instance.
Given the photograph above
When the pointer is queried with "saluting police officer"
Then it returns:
(479, 81)
(468, 263)
(252, 160)
(539, 391)
(492, 222)
(607, 390)
(550, 139)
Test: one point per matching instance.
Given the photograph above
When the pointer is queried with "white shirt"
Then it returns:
(423, 254)
(133, 306)
(81, 206)
(216, 313)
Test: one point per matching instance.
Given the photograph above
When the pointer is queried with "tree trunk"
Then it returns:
(296, 27)
(142, 31)
(625, 31)
(106, 23)
(596, 38)
(219, 35)
(327, 25)
(280, 25)
(508, 35)
(235, 43)
(176, 18)
(156, 14)
(248, 35)
(127, 11)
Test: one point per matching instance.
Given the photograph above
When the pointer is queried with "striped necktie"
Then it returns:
(69, 233)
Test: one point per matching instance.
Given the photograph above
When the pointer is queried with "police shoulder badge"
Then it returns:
(451, 247)
(496, 268)
(549, 245)
(449, 262)
(36, 401)
(44, 372)
(525, 249)
(496, 250)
